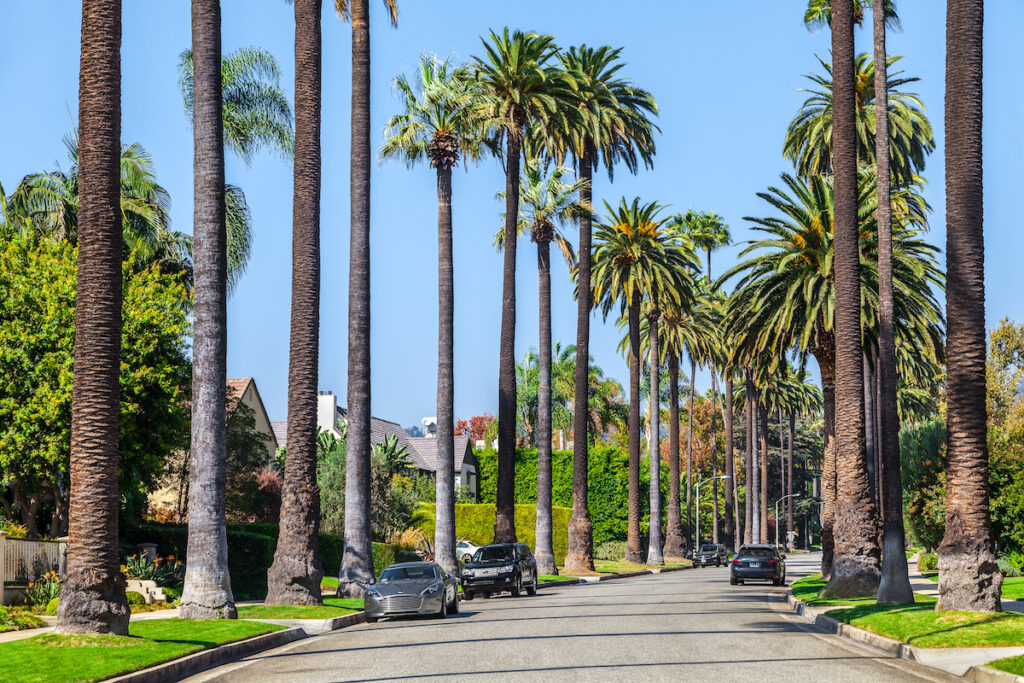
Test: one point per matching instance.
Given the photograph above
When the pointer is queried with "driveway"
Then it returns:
(690, 625)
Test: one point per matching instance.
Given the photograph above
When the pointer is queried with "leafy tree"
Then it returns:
(475, 427)
(330, 476)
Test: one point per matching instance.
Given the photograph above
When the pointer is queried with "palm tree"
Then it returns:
(613, 124)
(545, 203)
(207, 590)
(357, 561)
(635, 258)
(294, 577)
(808, 142)
(256, 116)
(439, 124)
(819, 13)
(518, 89)
(93, 594)
(968, 576)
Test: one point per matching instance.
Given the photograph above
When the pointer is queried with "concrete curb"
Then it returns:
(986, 674)
(314, 627)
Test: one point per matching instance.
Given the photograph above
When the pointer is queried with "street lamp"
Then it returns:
(696, 536)
(792, 495)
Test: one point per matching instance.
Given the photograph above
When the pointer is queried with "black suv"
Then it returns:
(758, 563)
(710, 554)
(500, 567)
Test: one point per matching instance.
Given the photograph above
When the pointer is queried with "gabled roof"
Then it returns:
(280, 432)
(427, 448)
(239, 385)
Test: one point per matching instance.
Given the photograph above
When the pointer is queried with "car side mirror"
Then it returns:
(782, 556)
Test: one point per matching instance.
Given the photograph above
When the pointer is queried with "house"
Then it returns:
(422, 449)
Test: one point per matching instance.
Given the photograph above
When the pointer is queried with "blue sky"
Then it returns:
(726, 76)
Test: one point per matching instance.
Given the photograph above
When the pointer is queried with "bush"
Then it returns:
(611, 550)
(14, 530)
(18, 619)
(475, 522)
(135, 598)
(1007, 568)
(51, 607)
(927, 562)
(43, 590)
(173, 595)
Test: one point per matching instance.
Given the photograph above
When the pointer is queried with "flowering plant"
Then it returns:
(165, 571)
(43, 590)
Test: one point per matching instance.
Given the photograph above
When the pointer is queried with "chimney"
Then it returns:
(430, 426)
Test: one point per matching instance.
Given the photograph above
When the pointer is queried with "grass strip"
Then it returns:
(1013, 586)
(1013, 665)
(921, 625)
(52, 658)
(332, 607)
(623, 567)
(808, 588)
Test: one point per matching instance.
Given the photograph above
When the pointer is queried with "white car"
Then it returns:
(464, 550)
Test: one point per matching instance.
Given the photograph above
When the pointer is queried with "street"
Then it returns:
(689, 625)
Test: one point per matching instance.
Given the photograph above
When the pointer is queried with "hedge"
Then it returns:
(475, 522)
(251, 552)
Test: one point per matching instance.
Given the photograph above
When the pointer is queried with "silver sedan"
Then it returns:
(412, 588)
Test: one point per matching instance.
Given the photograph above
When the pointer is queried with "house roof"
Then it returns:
(239, 385)
(426, 446)
(280, 428)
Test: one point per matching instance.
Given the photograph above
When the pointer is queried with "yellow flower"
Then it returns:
(30, 584)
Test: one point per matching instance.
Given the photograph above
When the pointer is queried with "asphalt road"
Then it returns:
(689, 625)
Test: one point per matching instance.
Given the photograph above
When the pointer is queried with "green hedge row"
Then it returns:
(475, 522)
(608, 480)
(251, 552)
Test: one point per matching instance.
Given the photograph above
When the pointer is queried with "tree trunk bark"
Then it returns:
(295, 576)
(654, 554)
(732, 518)
(869, 425)
(504, 522)
(856, 564)
(790, 489)
(633, 512)
(675, 543)
(580, 556)
(92, 598)
(357, 561)
(693, 535)
(968, 576)
(750, 479)
(714, 457)
(762, 412)
(544, 551)
(826, 365)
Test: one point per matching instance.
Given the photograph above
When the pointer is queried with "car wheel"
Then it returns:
(467, 595)
(443, 612)
(454, 607)
(517, 589)
(485, 595)
(718, 563)
(733, 580)
(372, 620)
(532, 588)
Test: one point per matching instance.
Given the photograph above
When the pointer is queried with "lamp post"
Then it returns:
(792, 495)
(696, 536)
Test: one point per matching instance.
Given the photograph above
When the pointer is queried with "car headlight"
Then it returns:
(372, 593)
(508, 568)
(468, 573)
(431, 589)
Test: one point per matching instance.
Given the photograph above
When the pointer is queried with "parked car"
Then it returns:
(410, 588)
(758, 563)
(498, 568)
(710, 554)
(464, 550)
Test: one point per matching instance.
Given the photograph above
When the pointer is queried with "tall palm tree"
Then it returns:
(519, 89)
(819, 13)
(439, 124)
(207, 590)
(546, 202)
(294, 577)
(613, 123)
(635, 257)
(894, 587)
(357, 561)
(93, 594)
(968, 576)
(856, 568)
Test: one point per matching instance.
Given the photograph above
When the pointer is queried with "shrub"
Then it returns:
(475, 522)
(18, 619)
(14, 530)
(51, 607)
(927, 562)
(43, 590)
(135, 598)
(1007, 568)
(332, 548)
(165, 572)
(611, 550)
(173, 595)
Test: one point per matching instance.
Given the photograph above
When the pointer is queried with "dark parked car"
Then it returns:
(758, 563)
(710, 554)
(412, 588)
(498, 568)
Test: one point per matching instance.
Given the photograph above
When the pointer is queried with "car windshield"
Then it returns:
(708, 548)
(496, 553)
(402, 573)
(756, 552)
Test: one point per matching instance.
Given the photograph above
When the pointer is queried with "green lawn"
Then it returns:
(332, 607)
(807, 589)
(1013, 586)
(623, 567)
(1014, 665)
(329, 583)
(553, 577)
(921, 625)
(50, 658)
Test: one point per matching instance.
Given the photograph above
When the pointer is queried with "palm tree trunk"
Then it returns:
(869, 425)
(544, 551)
(762, 412)
(295, 576)
(894, 587)
(654, 555)
(750, 471)
(633, 485)
(789, 475)
(694, 535)
(968, 576)
(504, 522)
(444, 528)
(580, 556)
(856, 567)
(675, 543)
(93, 599)
(782, 475)
(714, 454)
(732, 516)
(826, 365)
(357, 561)
(207, 589)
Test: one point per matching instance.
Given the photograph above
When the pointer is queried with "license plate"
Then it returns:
(755, 564)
